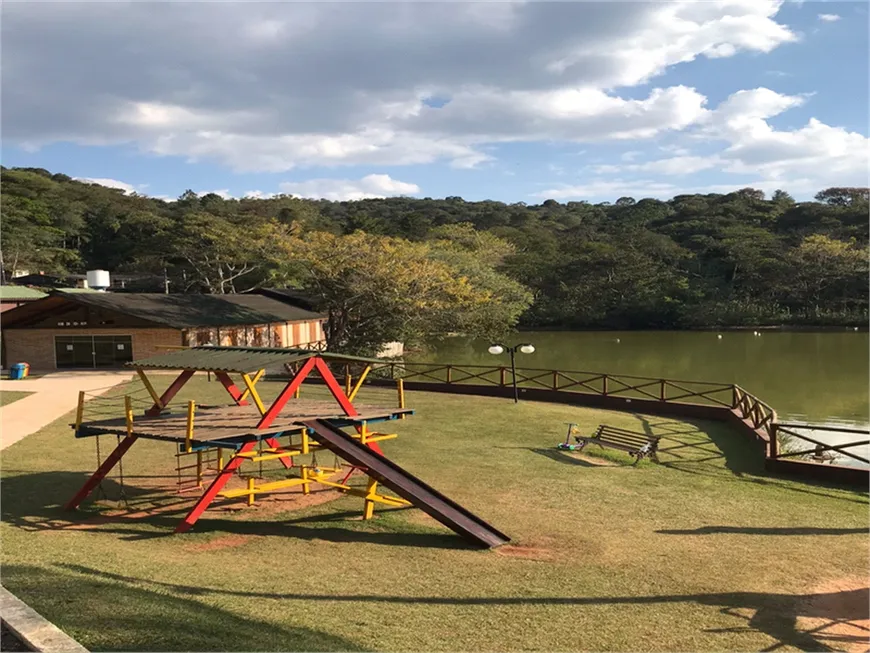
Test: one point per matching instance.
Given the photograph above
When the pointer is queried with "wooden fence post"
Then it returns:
(773, 448)
(502, 377)
(555, 380)
(662, 390)
(449, 374)
(604, 385)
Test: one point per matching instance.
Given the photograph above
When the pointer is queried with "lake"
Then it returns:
(819, 377)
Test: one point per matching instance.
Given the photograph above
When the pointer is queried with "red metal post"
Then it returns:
(170, 392)
(235, 393)
(216, 486)
(286, 393)
(101, 472)
(340, 397)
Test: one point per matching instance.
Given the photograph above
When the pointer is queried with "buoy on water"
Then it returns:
(719, 336)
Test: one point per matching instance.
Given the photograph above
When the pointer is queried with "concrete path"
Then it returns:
(54, 395)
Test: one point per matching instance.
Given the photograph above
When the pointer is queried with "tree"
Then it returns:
(823, 271)
(843, 196)
(478, 256)
(222, 256)
(378, 289)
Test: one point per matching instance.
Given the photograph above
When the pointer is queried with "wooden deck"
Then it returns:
(235, 422)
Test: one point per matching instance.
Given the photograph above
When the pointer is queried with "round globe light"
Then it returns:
(495, 350)
(527, 349)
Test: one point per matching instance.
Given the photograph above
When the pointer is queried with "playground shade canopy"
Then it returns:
(242, 360)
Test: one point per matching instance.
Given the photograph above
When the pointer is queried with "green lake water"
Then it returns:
(819, 377)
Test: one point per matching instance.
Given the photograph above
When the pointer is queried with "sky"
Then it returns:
(509, 101)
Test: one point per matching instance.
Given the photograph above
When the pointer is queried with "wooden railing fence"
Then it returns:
(755, 414)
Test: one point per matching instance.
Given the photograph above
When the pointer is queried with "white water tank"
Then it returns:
(98, 279)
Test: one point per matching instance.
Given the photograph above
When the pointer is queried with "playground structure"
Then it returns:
(247, 431)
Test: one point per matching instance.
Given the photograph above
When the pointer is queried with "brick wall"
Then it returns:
(36, 346)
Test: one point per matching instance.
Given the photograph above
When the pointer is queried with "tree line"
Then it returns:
(405, 267)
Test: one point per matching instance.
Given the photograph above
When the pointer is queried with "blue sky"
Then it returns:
(512, 102)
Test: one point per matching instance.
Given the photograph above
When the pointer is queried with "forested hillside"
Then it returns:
(695, 260)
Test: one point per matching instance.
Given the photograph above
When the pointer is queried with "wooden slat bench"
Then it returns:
(639, 445)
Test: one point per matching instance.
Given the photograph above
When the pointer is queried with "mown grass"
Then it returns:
(701, 552)
(8, 396)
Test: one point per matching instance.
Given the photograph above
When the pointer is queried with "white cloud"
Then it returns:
(258, 195)
(369, 187)
(802, 160)
(113, 183)
(676, 165)
(223, 193)
(612, 189)
(829, 18)
(252, 100)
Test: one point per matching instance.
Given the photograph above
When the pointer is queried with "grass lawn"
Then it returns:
(8, 396)
(703, 552)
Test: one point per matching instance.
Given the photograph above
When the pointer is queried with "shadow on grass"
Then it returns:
(561, 457)
(773, 614)
(111, 614)
(713, 449)
(26, 505)
(763, 530)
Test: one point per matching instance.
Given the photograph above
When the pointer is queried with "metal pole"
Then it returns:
(514, 376)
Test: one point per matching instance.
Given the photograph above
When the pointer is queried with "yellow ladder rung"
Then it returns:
(266, 487)
(273, 456)
(375, 437)
(380, 498)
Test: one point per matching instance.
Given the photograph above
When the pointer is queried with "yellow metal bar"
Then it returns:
(359, 383)
(377, 437)
(251, 491)
(199, 469)
(400, 386)
(80, 410)
(220, 460)
(298, 391)
(347, 383)
(305, 447)
(150, 388)
(128, 413)
(188, 437)
(369, 509)
(254, 395)
(306, 487)
(256, 378)
(261, 489)
(363, 433)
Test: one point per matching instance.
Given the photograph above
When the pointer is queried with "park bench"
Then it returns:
(635, 444)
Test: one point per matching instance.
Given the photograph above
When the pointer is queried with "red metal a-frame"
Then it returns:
(313, 363)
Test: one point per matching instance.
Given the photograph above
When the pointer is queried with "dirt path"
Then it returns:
(53, 395)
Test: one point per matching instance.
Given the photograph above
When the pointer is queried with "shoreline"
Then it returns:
(785, 327)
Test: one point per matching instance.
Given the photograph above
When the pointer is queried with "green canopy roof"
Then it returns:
(11, 292)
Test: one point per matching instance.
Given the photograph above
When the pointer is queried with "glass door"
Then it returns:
(74, 351)
(92, 351)
(112, 351)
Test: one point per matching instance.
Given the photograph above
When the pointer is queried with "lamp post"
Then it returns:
(498, 349)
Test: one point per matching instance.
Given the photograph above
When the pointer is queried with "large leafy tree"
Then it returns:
(219, 255)
(378, 289)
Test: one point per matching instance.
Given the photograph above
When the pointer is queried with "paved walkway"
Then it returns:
(54, 395)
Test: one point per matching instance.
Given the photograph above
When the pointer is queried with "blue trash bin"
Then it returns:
(17, 371)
